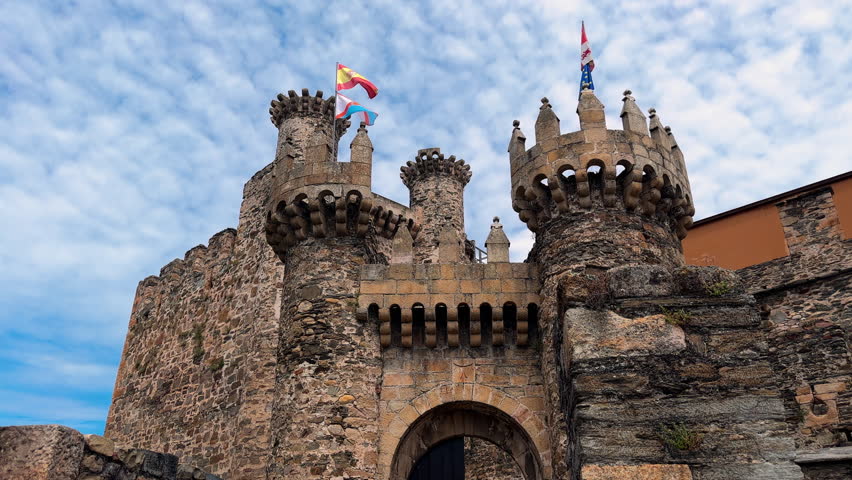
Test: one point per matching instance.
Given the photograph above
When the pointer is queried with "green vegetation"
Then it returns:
(680, 437)
(217, 364)
(197, 340)
(676, 317)
(718, 289)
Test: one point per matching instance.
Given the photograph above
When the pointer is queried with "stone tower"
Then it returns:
(324, 223)
(608, 209)
(436, 185)
(601, 197)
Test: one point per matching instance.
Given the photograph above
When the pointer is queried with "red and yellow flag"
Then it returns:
(348, 78)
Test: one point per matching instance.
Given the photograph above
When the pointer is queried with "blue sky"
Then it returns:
(128, 130)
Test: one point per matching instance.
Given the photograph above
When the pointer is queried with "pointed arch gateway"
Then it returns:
(466, 419)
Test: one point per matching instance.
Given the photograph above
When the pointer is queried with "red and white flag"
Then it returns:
(585, 50)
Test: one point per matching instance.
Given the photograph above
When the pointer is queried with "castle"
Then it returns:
(338, 334)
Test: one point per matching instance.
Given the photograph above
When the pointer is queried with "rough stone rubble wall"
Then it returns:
(807, 300)
(329, 367)
(437, 203)
(54, 452)
(815, 239)
(485, 461)
(665, 354)
(197, 373)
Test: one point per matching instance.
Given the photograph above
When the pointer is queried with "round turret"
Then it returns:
(436, 186)
(602, 197)
(314, 195)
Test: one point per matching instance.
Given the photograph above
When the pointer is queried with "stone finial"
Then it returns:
(518, 140)
(403, 249)
(658, 133)
(361, 158)
(591, 111)
(632, 118)
(547, 123)
(361, 140)
(677, 154)
(497, 243)
(672, 140)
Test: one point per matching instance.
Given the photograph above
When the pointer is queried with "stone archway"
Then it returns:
(466, 419)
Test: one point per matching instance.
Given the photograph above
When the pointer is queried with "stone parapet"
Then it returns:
(596, 168)
(467, 304)
(431, 162)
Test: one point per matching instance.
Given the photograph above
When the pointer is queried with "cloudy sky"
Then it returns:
(127, 129)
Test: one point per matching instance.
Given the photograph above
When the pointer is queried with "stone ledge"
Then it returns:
(835, 454)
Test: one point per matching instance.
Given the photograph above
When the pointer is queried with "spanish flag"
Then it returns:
(348, 78)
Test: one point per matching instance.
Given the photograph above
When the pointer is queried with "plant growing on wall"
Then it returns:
(680, 437)
(718, 289)
(675, 317)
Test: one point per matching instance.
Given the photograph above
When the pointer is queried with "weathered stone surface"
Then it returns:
(714, 281)
(202, 344)
(594, 334)
(636, 472)
(757, 471)
(40, 452)
(836, 454)
(99, 444)
(52, 452)
(640, 281)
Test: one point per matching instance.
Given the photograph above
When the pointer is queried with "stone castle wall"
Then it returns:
(198, 369)
(365, 336)
(54, 452)
(806, 298)
(329, 367)
(456, 337)
(669, 373)
(485, 461)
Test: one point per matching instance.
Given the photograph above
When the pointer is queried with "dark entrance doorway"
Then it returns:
(484, 435)
(445, 461)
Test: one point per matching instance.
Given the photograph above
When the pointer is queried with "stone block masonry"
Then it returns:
(451, 304)
(54, 452)
(485, 461)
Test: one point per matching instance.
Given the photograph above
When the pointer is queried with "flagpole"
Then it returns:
(334, 113)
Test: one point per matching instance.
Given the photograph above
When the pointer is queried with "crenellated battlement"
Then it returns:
(431, 162)
(305, 105)
(314, 195)
(637, 169)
